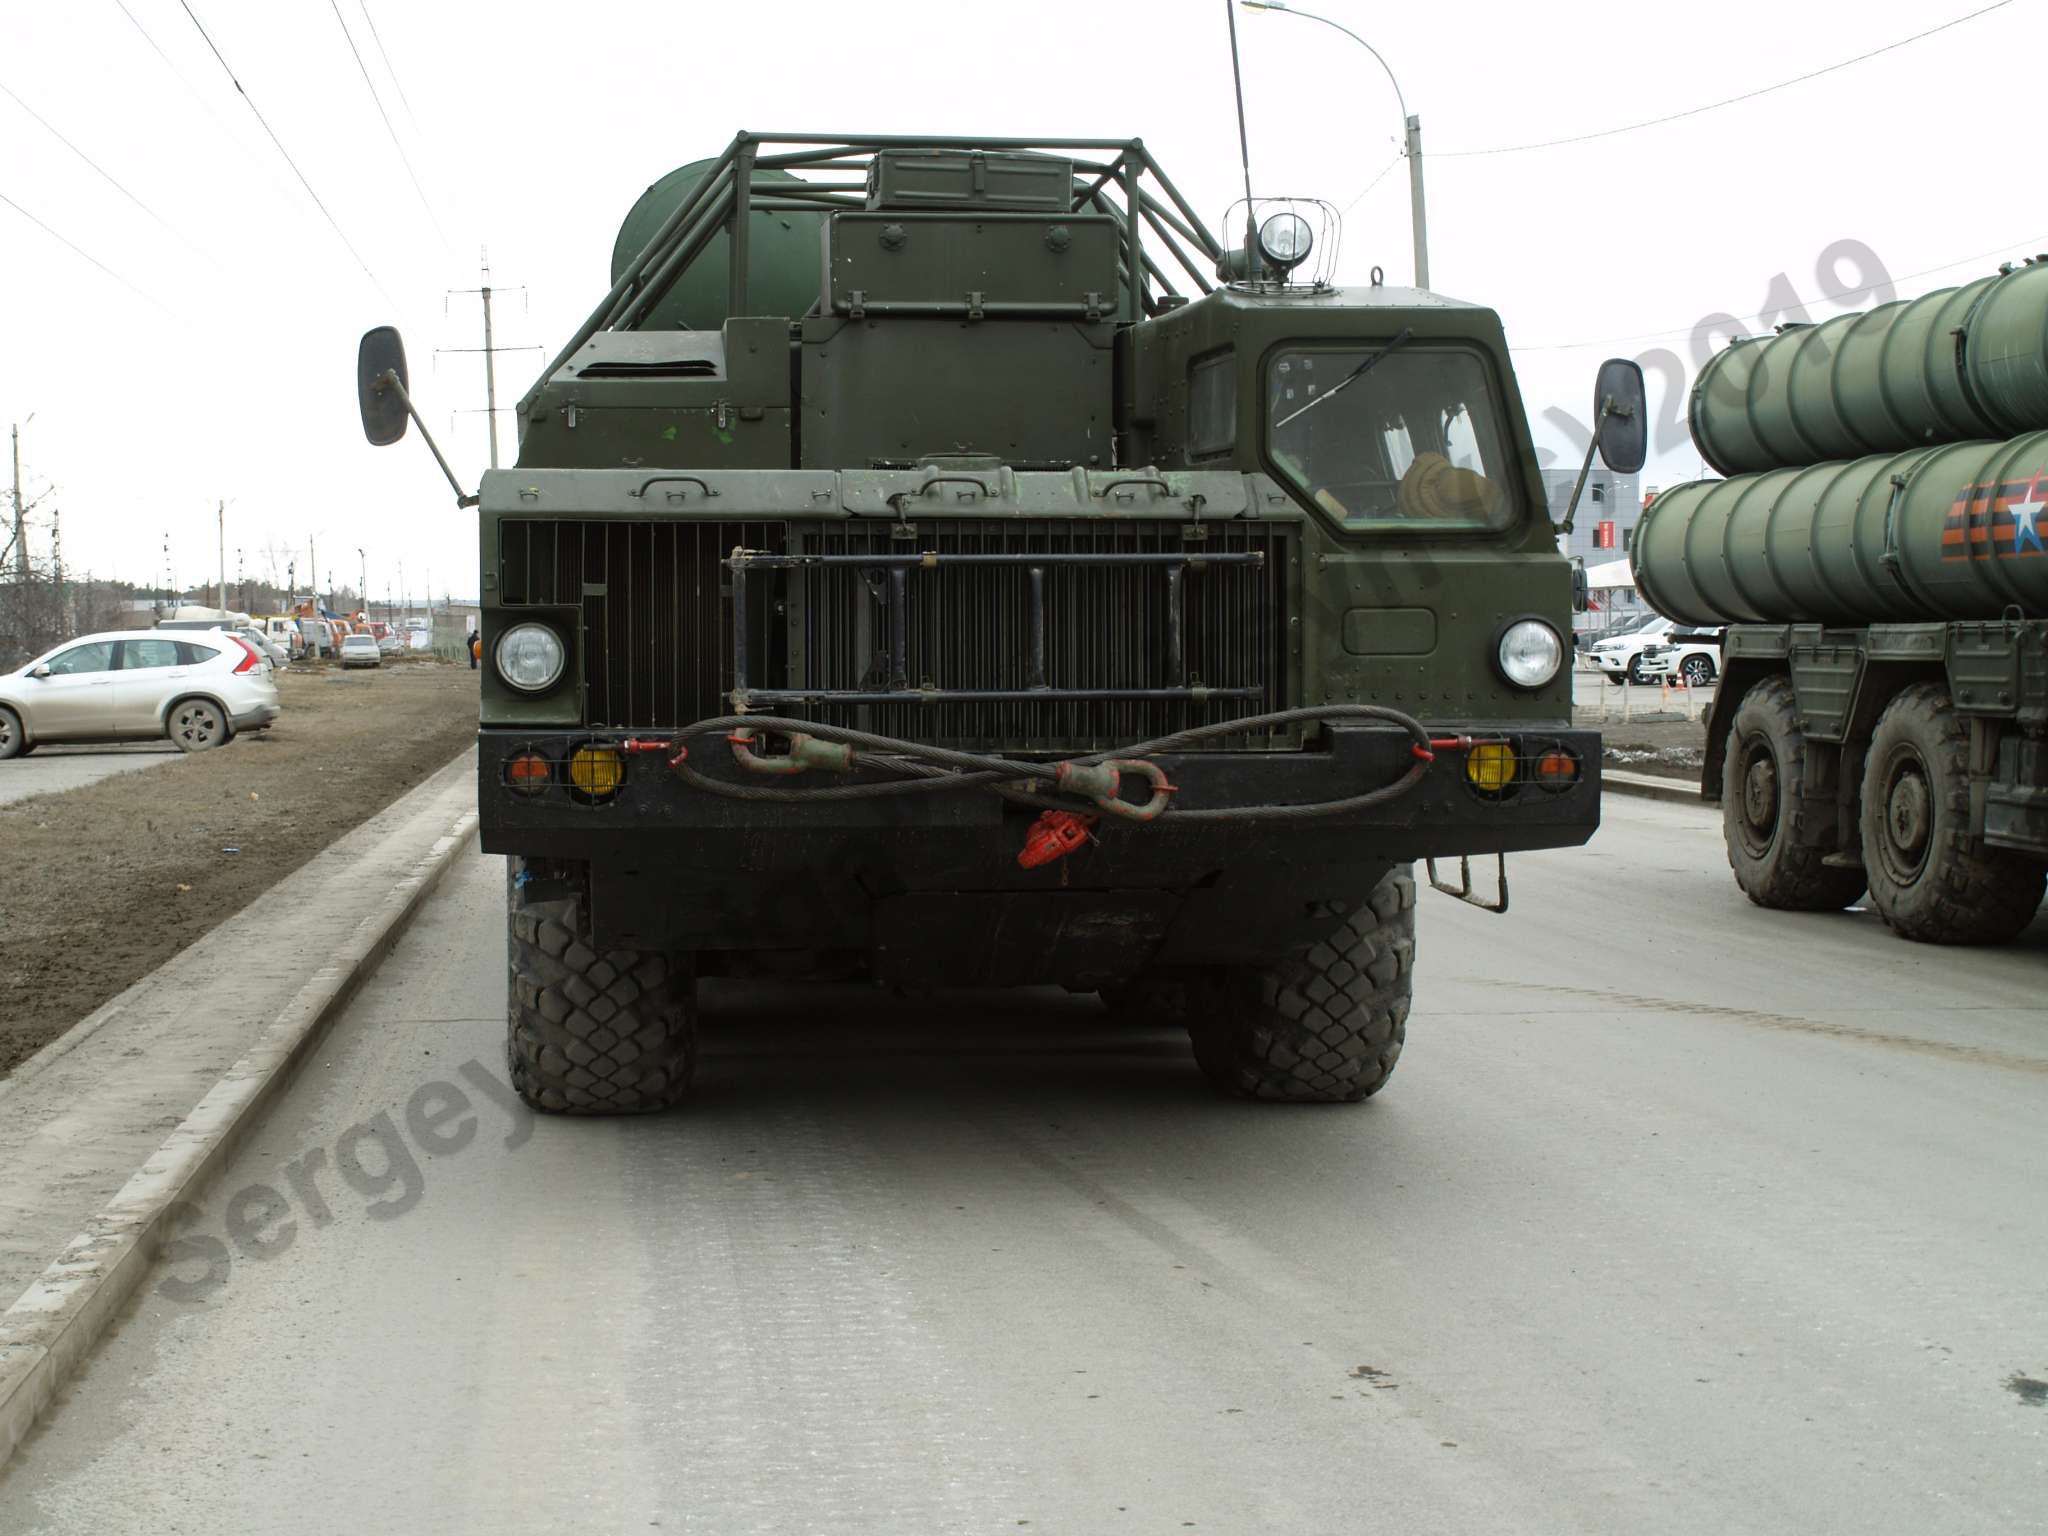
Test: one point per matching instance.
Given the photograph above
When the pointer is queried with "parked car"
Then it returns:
(268, 646)
(199, 688)
(1690, 656)
(361, 651)
(1621, 656)
(1586, 639)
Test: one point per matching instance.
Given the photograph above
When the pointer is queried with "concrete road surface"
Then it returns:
(47, 770)
(1677, 1217)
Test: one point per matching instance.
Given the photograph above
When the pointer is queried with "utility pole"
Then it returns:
(490, 350)
(364, 580)
(20, 513)
(1418, 220)
(313, 573)
(220, 530)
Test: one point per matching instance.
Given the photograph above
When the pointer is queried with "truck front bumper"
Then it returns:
(675, 866)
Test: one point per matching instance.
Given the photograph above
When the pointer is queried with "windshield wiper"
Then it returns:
(1400, 340)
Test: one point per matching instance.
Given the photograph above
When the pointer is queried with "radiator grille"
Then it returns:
(969, 627)
(657, 612)
(656, 603)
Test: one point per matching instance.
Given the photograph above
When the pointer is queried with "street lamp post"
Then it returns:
(1412, 127)
(364, 578)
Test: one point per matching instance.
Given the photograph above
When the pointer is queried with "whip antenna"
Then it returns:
(1244, 148)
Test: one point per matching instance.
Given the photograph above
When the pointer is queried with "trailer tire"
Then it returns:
(1926, 879)
(1323, 1024)
(1763, 809)
(591, 1033)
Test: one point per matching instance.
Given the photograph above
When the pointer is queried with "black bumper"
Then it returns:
(675, 866)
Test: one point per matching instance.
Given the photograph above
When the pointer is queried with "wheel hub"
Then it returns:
(1908, 815)
(1760, 794)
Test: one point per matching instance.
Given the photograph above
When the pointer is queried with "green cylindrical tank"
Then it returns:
(785, 259)
(1953, 365)
(1957, 531)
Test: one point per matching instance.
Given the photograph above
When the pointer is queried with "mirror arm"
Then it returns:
(389, 380)
(1571, 508)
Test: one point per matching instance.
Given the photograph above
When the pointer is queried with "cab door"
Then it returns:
(151, 671)
(75, 700)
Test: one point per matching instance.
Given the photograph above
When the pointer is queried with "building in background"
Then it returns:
(1603, 533)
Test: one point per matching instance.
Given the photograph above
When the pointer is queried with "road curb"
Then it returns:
(1649, 786)
(53, 1325)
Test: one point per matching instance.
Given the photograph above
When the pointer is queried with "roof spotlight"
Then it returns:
(1284, 241)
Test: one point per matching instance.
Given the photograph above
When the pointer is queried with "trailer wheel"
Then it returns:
(1324, 1024)
(1763, 810)
(592, 1033)
(1927, 880)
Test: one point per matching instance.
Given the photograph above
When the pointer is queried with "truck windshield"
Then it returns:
(1411, 439)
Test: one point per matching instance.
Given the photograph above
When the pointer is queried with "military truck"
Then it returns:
(1878, 551)
(941, 561)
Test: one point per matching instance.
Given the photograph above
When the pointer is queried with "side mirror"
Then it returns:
(1621, 415)
(1581, 596)
(381, 358)
(42, 669)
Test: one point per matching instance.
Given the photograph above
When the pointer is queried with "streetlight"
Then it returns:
(364, 578)
(1418, 220)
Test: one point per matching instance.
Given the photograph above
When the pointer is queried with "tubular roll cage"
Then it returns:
(727, 193)
(898, 568)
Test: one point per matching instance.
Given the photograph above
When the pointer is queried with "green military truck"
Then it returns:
(942, 562)
(1878, 551)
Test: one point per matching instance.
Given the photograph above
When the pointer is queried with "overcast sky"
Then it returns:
(532, 128)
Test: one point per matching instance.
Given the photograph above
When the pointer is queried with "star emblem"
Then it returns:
(2025, 529)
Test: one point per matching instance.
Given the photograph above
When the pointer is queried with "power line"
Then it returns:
(334, 223)
(2036, 243)
(396, 84)
(1399, 156)
(1654, 122)
(378, 101)
(103, 172)
(79, 250)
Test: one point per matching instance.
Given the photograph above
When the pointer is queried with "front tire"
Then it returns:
(1324, 1024)
(1763, 809)
(1927, 879)
(1698, 671)
(589, 1032)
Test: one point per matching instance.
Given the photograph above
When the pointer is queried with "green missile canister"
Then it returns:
(1956, 531)
(1955, 365)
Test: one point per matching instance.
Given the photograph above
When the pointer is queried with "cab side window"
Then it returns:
(151, 653)
(1212, 404)
(97, 657)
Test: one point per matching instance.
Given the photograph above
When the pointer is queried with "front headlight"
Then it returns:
(530, 657)
(1530, 653)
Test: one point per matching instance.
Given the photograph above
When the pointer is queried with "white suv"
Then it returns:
(1690, 656)
(199, 688)
(1621, 656)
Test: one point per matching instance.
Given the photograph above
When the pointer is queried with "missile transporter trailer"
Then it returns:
(903, 579)
(1878, 553)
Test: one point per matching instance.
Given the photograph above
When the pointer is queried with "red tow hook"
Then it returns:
(1441, 744)
(1053, 836)
(678, 752)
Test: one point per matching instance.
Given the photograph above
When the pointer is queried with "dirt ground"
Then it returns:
(105, 883)
(1673, 748)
